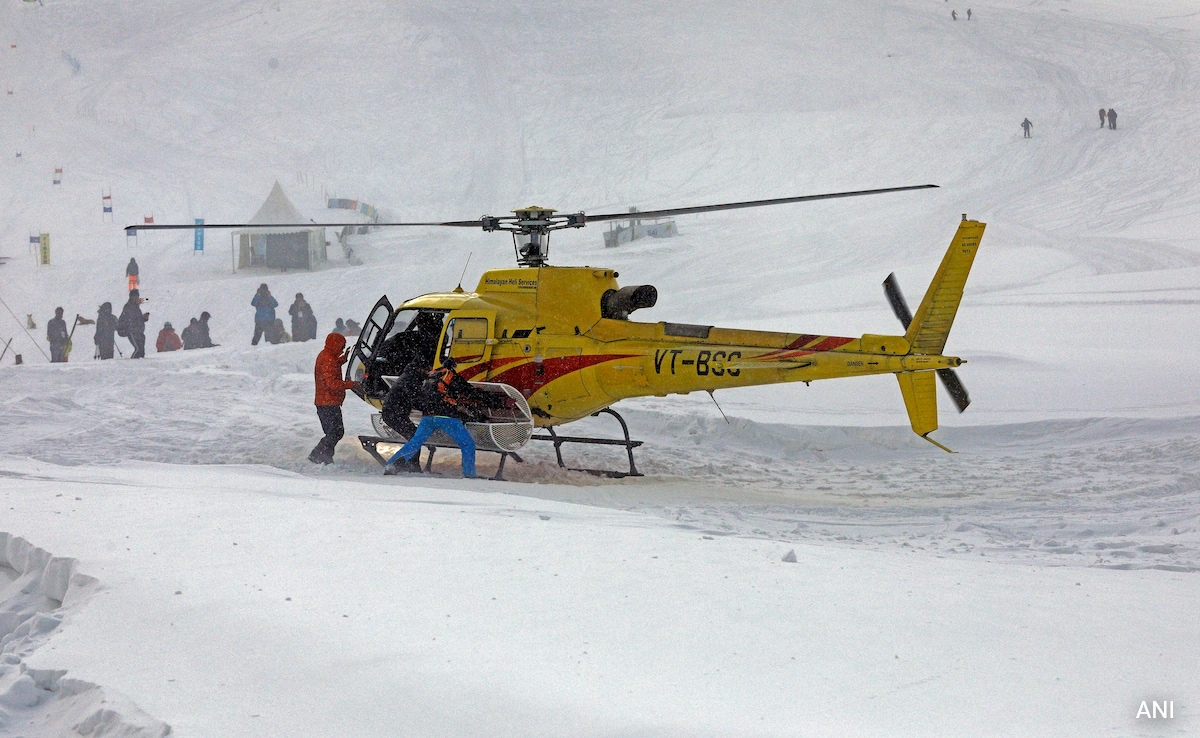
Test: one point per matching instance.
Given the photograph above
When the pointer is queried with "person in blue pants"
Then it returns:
(445, 400)
(430, 424)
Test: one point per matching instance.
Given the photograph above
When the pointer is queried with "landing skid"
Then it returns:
(370, 444)
(629, 445)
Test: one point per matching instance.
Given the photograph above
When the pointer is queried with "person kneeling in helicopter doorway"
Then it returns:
(446, 400)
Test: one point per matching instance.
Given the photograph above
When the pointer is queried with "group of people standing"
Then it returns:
(130, 324)
(266, 325)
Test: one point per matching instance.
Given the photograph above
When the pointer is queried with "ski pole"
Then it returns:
(5, 351)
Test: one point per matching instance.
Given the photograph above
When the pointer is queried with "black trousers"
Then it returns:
(331, 424)
(260, 327)
(105, 350)
(397, 406)
(139, 346)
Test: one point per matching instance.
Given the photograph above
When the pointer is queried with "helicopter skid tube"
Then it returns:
(628, 444)
(371, 444)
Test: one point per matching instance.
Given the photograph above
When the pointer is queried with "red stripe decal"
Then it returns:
(532, 376)
(488, 366)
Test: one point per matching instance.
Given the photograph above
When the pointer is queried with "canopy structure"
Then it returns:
(279, 248)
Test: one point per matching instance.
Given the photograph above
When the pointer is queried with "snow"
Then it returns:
(1040, 581)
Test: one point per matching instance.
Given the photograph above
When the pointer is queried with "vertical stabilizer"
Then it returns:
(931, 325)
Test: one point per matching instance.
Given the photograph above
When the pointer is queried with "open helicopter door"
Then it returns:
(372, 332)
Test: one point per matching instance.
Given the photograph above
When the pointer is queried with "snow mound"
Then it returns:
(37, 592)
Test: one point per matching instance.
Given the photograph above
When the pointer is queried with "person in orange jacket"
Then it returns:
(168, 339)
(331, 393)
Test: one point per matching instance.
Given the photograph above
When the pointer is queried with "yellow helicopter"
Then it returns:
(560, 344)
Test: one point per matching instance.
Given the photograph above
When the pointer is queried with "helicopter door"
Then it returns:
(468, 339)
(373, 330)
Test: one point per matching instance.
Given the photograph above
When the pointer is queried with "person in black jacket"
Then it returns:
(304, 323)
(204, 340)
(446, 400)
(106, 328)
(190, 335)
(56, 334)
(132, 324)
(398, 404)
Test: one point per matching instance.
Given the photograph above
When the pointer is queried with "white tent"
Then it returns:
(279, 248)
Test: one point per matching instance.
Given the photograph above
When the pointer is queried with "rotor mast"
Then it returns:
(531, 228)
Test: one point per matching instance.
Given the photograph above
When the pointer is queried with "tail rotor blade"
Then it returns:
(955, 387)
(896, 298)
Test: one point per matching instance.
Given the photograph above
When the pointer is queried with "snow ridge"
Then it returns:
(38, 592)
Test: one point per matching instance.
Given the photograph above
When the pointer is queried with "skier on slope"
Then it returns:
(330, 394)
(1103, 116)
(1026, 126)
(1112, 118)
(131, 273)
(56, 334)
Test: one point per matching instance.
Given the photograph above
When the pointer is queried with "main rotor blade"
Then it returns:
(749, 204)
(955, 387)
(892, 287)
(206, 226)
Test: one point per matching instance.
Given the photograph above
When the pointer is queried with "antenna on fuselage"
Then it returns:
(464, 272)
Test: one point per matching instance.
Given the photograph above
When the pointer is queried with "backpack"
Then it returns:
(122, 326)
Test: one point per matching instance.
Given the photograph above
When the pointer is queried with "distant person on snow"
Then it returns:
(304, 323)
(1026, 126)
(275, 333)
(205, 340)
(168, 340)
(331, 393)
(953, 15)
(56, 334)
(132, 324)
(1103, 116)
(445, 400)
(264, 311)
(131, 273)
(106, 328)
(188, 335)
(340, 326)
(352, 328)
(1112, 118)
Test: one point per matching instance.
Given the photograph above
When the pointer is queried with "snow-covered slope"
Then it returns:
(1078, 325)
